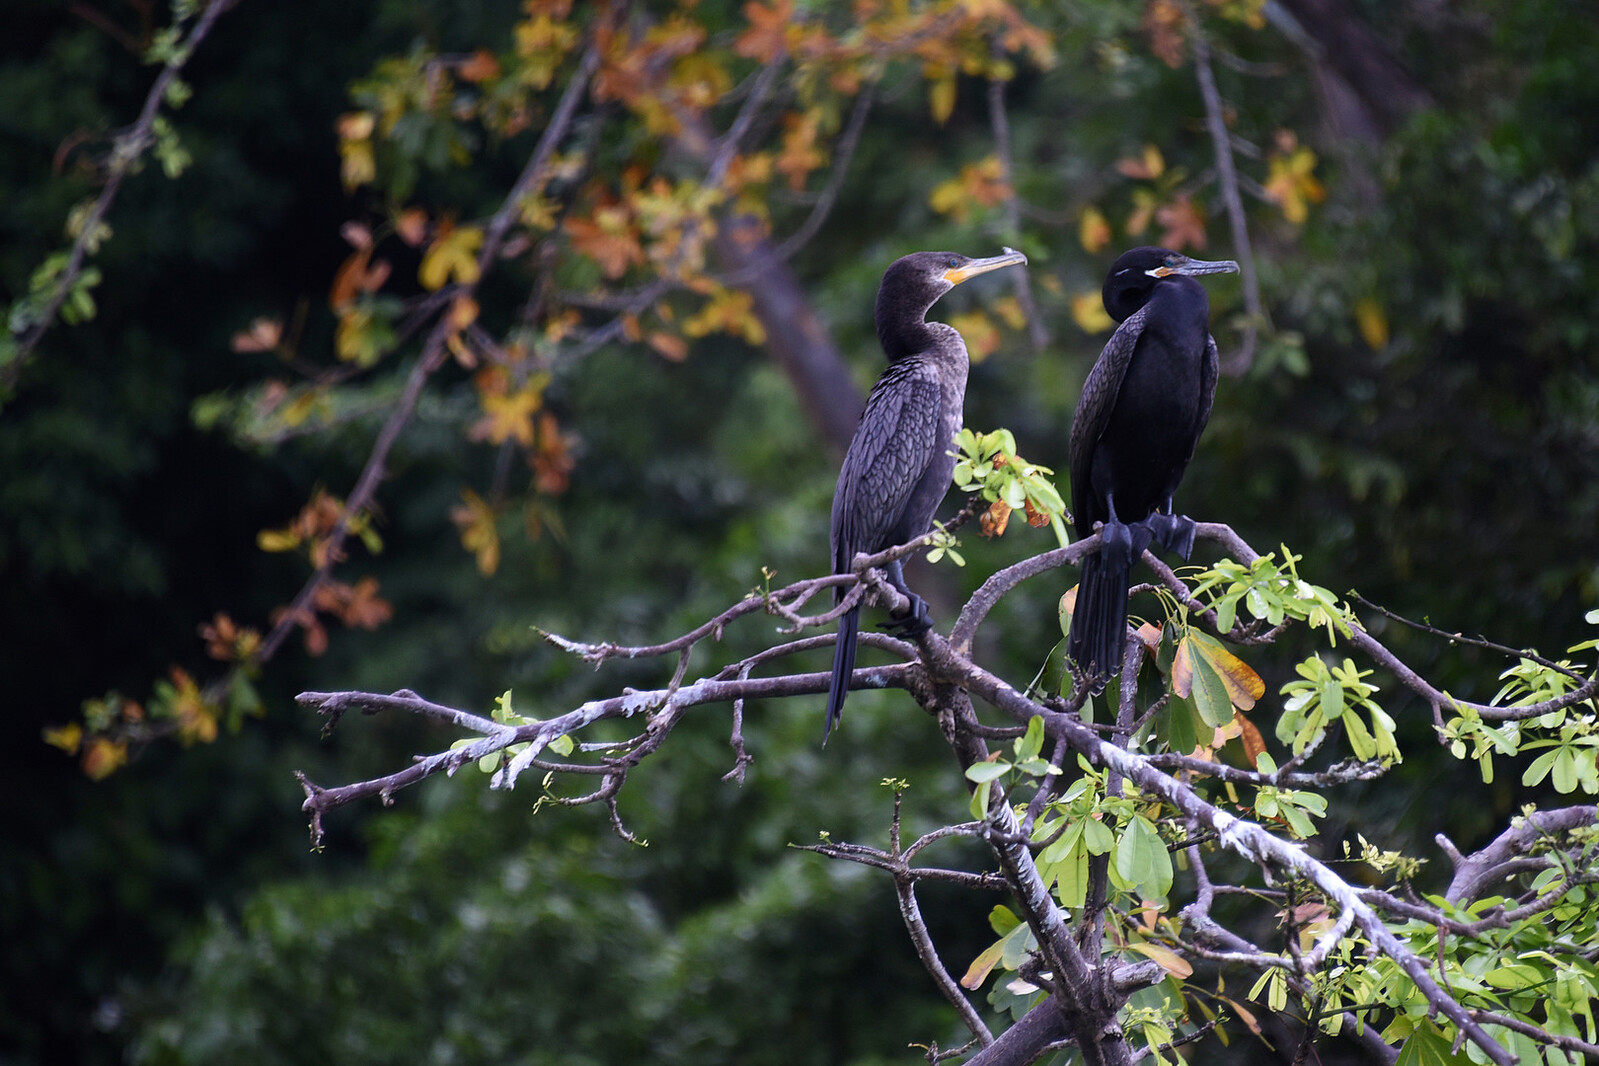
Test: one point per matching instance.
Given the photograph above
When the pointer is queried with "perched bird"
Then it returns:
(898, 465)
(1139, 416)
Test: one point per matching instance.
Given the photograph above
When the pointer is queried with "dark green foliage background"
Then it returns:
(173, 914)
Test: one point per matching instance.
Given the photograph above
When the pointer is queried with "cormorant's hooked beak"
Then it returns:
(1190, 267)
(973, 267)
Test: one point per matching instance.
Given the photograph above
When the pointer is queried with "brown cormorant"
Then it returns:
(1139, 416)
(899, 464)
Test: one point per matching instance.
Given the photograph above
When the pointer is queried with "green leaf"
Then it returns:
(1141, 858)
(983, 772)
(1182, 736)
(1540, 768)
(1097, 836)
(1426, 1046)
(1032, 743)
(979, 804)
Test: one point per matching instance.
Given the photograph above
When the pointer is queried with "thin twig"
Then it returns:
(435, 351)
(125, 153)
(1216, 123)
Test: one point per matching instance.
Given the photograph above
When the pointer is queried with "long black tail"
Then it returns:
(1099, 621)
(843, 666)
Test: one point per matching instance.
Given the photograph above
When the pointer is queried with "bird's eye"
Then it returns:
(954, 262)
(1171, 260)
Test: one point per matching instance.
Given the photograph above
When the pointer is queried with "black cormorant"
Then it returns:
(898, 465)
(1139, 416)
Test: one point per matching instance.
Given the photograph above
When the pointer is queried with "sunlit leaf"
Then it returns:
(66, 737)
(479, 535)
(1151, 164)
(1093, 231)
(800, 153)
(1372, 321)
(103, 756)
(1291, 182)
(1088, 311)
(1169, 960)
(979, 331)
(452, 255)
(765, 38)
(941, 97)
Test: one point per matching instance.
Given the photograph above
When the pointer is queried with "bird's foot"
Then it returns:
(914, 622)
(1121, 544)
(1174, 532)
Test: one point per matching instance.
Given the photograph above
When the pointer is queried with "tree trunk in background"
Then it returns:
(1366, 92)
(794, 335)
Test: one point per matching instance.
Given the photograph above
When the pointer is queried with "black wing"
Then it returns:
(1094, 406)
(1208, 372)
(895, 442)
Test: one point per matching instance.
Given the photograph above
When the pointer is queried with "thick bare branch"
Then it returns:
(1489, 866)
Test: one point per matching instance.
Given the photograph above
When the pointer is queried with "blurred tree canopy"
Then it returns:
(633, 406)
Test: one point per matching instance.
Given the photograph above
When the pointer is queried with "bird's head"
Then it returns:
(1135, 274)
(913, 283)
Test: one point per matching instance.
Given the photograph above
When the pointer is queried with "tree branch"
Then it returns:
(126, 151)
(1216, 122)
(434, 352)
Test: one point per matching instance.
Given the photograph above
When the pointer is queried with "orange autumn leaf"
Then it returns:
(800, 155)
(995, 519)
(1151, 164)
(669, 345)
(1163, 21)
(1242, 685)
(354, 605)
(765, 39)
(1254, 743)
(1185, 225)
(981, 184)
(227, 641)
(363, 606)
(263, 335)
(609, 237)
(357, 275)
(553, 462)
(103, 756)
(479, 66)
(412, 226)
(316, 636)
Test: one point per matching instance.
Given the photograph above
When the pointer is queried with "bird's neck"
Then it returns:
(904, 336)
